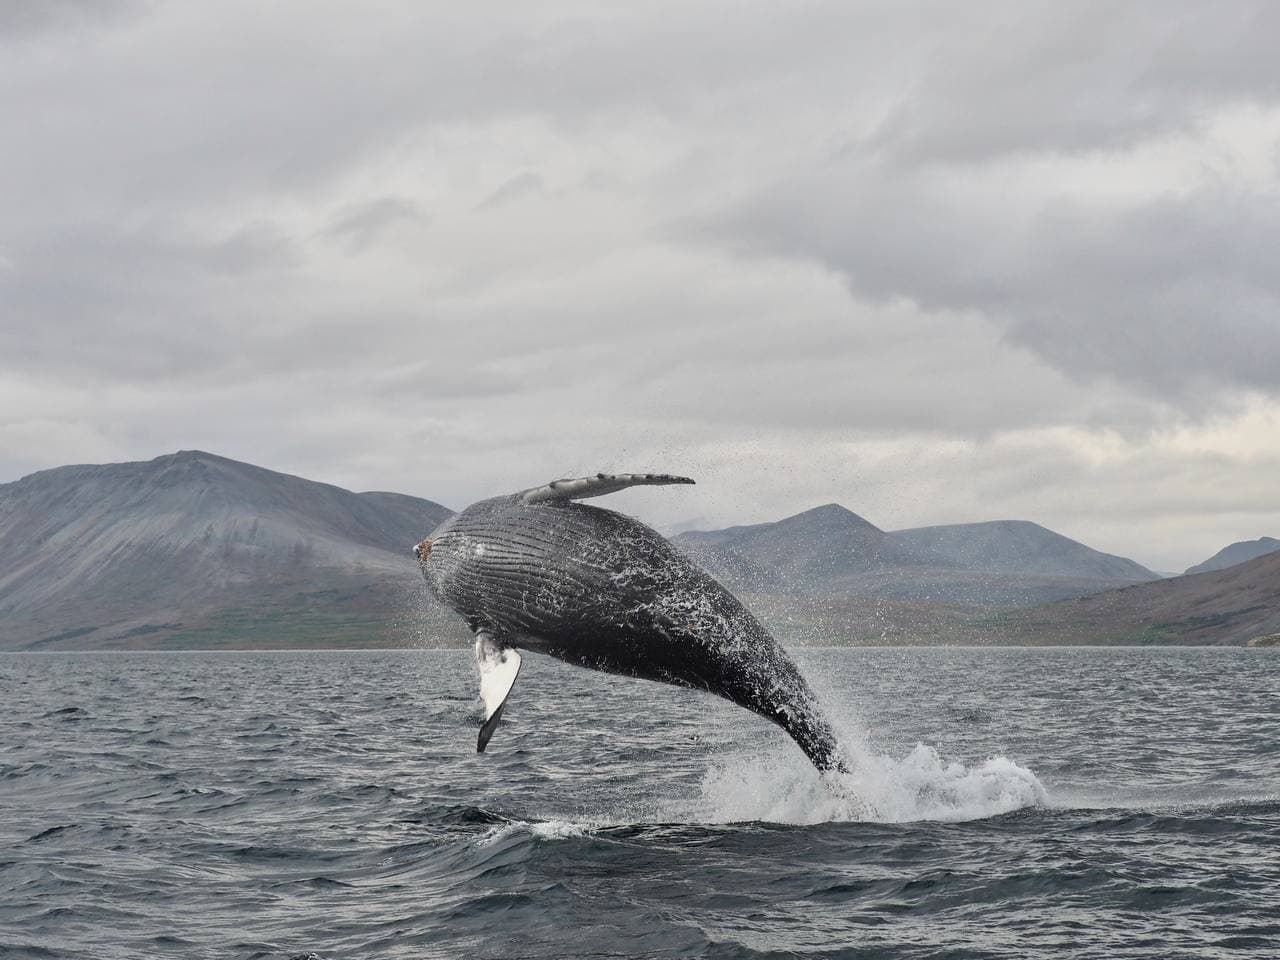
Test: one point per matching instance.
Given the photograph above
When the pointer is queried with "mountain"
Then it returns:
(830, 550)
(196, 549)
(1233, 606)
(806, 550)
(1237, 553)
(1016, 546)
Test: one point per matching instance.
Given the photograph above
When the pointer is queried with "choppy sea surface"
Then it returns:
(1017, 803)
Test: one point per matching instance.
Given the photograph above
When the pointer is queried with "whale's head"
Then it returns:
(433, 553)
(448, 555)
(486, 544)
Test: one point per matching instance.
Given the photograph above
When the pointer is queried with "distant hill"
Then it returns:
(1016, 546)
(1232, 606)
(1237, 553)
(806, 550)
(830, 550)
(193, 549)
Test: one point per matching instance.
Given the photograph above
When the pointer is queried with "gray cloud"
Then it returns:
(936, 261)
(366, 223)
(1176, 294)
(522, 185)
(122, 305)
(1028, 77)
(24, 19)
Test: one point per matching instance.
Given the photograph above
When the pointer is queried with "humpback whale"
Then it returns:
(538, 571)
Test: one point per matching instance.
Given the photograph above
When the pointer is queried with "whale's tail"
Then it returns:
(773, 687)
(817, 739)
(802, 719)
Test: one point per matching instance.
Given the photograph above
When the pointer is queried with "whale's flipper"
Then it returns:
(596, 486)
(499, 667)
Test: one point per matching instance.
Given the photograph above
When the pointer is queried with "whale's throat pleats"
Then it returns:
(499, 666)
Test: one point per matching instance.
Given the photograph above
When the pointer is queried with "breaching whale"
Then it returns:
(538, 571)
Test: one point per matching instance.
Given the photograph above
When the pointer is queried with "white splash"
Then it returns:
(543, 830)
(785, 788)
(777, 783)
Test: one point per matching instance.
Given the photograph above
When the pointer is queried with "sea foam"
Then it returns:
(543, 830)
(921, 785)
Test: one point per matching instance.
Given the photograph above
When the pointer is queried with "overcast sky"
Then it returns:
(938, 262)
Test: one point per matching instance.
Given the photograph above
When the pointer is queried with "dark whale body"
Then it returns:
(602, 590)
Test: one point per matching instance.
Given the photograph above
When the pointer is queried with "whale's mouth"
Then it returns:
(422, 550)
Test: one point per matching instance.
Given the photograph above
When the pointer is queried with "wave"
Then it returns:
(540, 829)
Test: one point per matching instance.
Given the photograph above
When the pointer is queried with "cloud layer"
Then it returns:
(935, 262)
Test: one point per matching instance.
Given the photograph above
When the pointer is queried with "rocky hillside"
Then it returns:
(196, 549)
(1238, 605)
(1237, 553)
(830, 550)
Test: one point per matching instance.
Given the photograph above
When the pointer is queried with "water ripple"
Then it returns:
(1004, 803)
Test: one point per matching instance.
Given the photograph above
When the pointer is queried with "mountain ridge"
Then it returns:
(1238, 552)
(832, 550)
(159, 546)
(1235, 605)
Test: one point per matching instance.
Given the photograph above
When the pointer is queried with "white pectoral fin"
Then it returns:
(583, 487)
(499, 667)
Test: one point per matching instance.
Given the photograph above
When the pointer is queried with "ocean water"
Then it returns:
(1016, 803)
